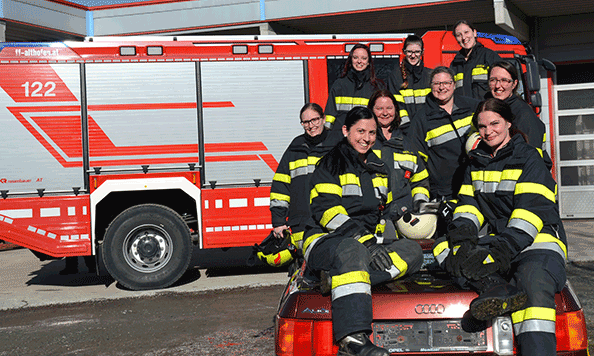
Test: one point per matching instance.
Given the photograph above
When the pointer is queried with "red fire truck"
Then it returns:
(135, 149)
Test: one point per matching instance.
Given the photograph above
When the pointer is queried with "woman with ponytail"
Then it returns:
(409, 82)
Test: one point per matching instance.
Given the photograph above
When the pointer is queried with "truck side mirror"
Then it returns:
(548, 65)
(532, 75)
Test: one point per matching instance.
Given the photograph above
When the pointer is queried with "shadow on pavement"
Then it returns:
(49, 275)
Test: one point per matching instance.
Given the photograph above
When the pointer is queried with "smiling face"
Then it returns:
(312, 122)
(361, 136)
(465, 36)
(360, 59)
(494, 130)
(385, 111)
(413, 53)
(501, 83)
(442, 87)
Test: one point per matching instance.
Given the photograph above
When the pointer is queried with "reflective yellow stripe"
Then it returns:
(459, 76)
(351, 100)
(437, 250)
(470, 209)
(399, 263)
(298, 163)
(311, 239)
(389, 200)
(330, 119)
(539, 313)
(535, 188)
(296, 238)
(378, 153)
(466, 189)
(423, 156)
(405, 157)
(331, 213)
(448, 128)
(422, 92)
(417, 177)
(403, 113)
(365, 238)
(420, 190)
(349, 178)
(350, 277)
(284, 178)
(511, 174)
(277, 196)
(527, 216)
(399, 98)
(544, 238)
(380, 182)
(325, 188)
(407, 92)
(480, 71)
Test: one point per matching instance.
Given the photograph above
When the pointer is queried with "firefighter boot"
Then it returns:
(71, 266)
(358, 344)
(496, 297)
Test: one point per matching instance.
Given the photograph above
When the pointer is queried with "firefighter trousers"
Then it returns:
(541, 274)
(348, 264)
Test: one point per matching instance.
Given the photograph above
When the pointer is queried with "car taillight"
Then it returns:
(304, 338)
(571, 331)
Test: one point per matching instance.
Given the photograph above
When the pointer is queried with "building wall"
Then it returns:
(46, 14)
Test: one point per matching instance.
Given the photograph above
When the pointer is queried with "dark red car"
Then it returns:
(424, 314)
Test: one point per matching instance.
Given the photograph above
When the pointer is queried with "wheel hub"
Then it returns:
(148, 248)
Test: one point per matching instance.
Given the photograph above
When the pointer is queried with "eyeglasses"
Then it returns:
(314, 121)
(502, 81)
(445, 84)
(417, 53)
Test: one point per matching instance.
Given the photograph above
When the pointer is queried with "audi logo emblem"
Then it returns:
(430, 309)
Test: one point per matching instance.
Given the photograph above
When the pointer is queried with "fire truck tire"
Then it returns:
(147, 247)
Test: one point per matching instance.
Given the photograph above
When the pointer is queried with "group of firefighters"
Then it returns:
(450, 153)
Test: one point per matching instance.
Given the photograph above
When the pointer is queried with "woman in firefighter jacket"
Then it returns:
(409, 180)
(439, 132)
(503, 82)
(289, 201)
(508, 187)
(409, 82)
(354, 87)
(349, 196)
(472, 62)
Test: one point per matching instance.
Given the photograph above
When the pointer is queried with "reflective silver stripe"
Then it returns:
(279, 203)
(550, 246)
(310, 247)
(479, 77)
(507, 186)
(350, 289)
(351, 189)
(442, 256)
(470, 217)
(409, 99)
(328, 125)
(459, 83)
(404, 120)
(381, 190)
(420, 196)
(420, 99)
(478, 185)
(535, 325)
(345, 107)
(523, 225)
(393, 271)
(490, 187)
(336, 221)
(409, 165)
(301, 171)
(448, 136)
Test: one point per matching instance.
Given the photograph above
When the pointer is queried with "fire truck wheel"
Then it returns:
(147, 247)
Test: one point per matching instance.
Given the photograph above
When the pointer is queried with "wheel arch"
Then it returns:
(116, 195)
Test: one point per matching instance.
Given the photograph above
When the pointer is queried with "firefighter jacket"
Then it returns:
(352, 90)
(516, 195)
(413, 97)
(355, 195)
(409, 180)
(471, 75)
(439, 138)
(289, 194)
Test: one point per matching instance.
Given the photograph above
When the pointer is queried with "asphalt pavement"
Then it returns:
(28, 282)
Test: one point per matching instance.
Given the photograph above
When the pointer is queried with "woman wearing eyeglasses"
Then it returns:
(472, 62)
(354, 87)
(289, 194)
(439, 131)
(503, 82)
(409, 82)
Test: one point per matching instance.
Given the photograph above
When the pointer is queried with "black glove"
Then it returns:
(457, 256)
(459, 234)
(446, 211)
(486, 261)
(351, 229)
(380, 259)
